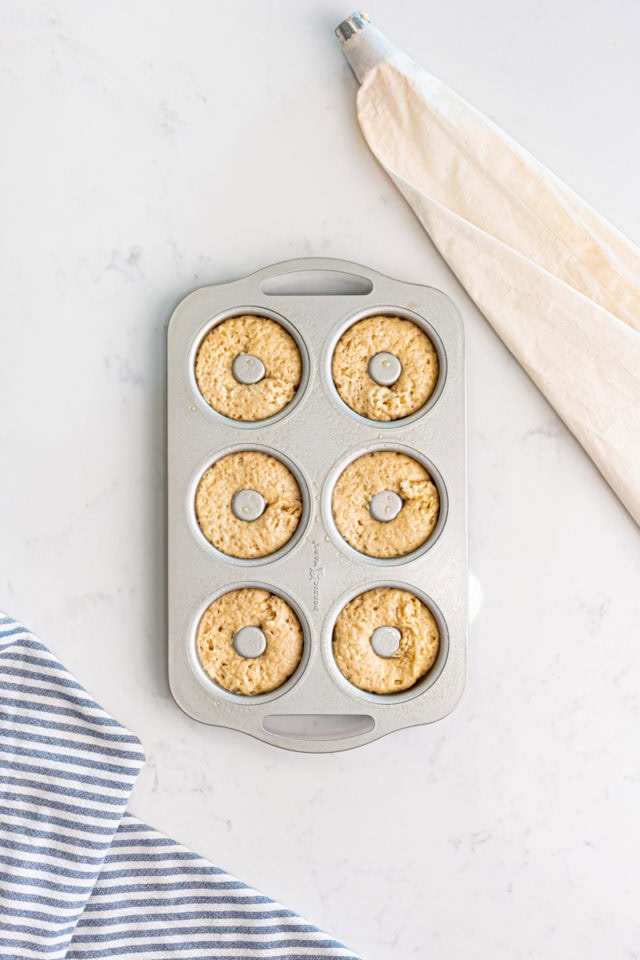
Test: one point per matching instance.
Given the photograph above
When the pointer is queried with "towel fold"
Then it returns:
(80, 878)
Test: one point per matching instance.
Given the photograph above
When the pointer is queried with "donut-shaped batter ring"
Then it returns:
(370, 474)
(248, 470)
(262, 338)
(249, 606)
(383, 334)
(385, 607)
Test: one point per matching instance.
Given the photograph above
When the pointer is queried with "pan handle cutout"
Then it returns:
(318, 726)
(316, 283)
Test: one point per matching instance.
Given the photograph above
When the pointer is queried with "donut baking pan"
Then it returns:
(349, 492)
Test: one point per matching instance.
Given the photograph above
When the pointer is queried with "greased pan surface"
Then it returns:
(316, 572)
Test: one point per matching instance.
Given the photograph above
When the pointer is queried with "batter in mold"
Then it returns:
(248, 504)
(248, 368)
(386, 618)
(385, 504)
(274, 630)
(385, 368)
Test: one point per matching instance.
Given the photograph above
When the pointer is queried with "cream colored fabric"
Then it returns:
(558, 283)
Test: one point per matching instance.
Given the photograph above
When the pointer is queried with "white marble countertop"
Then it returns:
(149, 148)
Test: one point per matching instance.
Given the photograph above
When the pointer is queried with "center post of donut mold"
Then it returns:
(386, 641)
(385, 506)
(248, 505)
(385, 368)
(248, 369)
(249, 642)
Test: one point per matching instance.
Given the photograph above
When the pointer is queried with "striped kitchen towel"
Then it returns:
(82, 879)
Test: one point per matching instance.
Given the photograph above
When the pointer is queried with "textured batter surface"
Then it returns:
(250, 607)
(248, 470)
(385, 607)
(410, 345)
(263, 338)
(370, 474)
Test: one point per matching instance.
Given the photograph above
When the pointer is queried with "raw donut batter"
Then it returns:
(419, 640)
(262, 340)
(261, 474)
(229, 614)
(369, 476)
(403, 340)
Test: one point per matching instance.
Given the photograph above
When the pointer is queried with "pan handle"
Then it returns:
(316, 283)
(320, 731)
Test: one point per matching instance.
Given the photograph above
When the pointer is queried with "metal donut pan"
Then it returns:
(317, 710)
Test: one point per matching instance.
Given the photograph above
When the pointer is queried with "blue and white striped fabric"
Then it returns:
(82, 879)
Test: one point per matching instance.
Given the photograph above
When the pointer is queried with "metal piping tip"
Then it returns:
(363, 45)
(351, 25)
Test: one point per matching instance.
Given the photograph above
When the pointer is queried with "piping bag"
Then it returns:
(558, 284)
